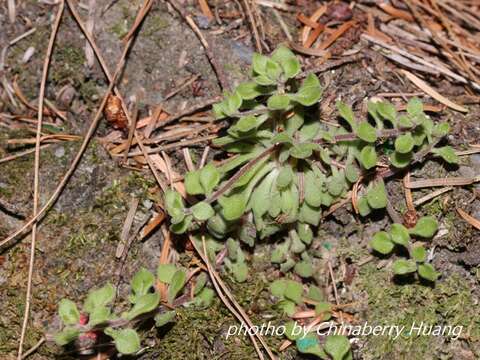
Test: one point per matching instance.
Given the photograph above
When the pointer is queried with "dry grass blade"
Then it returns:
(457, 181)
(432, 92)
(431, 196)
(206, 9)
(12, 11)
(36, 181)
(336, 34)
(20, 154)
(127, 225)
(470, 219)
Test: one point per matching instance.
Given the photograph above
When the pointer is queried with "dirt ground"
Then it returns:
(78, 238)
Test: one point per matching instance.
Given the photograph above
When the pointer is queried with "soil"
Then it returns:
(78, 238)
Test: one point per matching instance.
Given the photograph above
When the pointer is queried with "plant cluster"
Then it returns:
(287, 165)
(97, 321)
(399, 236)
(291, 293)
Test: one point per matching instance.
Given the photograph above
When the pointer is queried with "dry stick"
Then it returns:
(254, 26)
(208, 51)
(36, 181)
(34, 348)
(105, 69)
(78, 156)
(20, 154)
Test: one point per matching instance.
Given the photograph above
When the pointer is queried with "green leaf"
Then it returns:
(337, 346)
(366, 132)
(322, 308)
(290, 331)
(260, 199)
(352, 173)
(414, 107)
(192, 183)
(176, 285)
(249, 90)
(426, 227)
(174, 206)
(293, 291)
(288, 307)
(66, 336)
(402, 267)
(68, 312)
(144, 304)
(246, 123)
(404, 143)
(264, 80)
(305, 233)
(346, 112)
(285, 177)
(377, 195)
(164, 318)
(303, 150)
(440, 130)
(278, 102)
(240, 271)
(142, 282)
(100, 315)
(310, 214)
(400, 160)
(419, 254)
(209, 177)
(404, 122)
(205, 297)
(428, 272)
(312, 186)
(382, 243)
(287, 60)
(126, 341)
(309, 345)
(314, 293)
(336, 184)
(273, 70)
(259, 64)
(200, 282)
(182, 226)
(165, 272)
(447, 153)
(233, 206)
(278, 287)
(363, 207)
(399, 234)
(387, 111)
(304, 269)
(202, 211)
(232, 103)
(310, 91)
(99, 298)
(368, 157)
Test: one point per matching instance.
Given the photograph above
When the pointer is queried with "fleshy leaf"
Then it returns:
(202, 211)
(428, 272)
(126, 341)
(403, 267)
(399, 234)
(337, 346)
(426, 227)
(68, 312)
(382, 243)
(99, 297)
(447, 153)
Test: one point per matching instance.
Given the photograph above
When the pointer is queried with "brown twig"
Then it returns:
(36, 181)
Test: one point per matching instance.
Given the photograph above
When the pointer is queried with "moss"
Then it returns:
(120, 28)
(154, 23)
(68, 64)
(450, 302)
